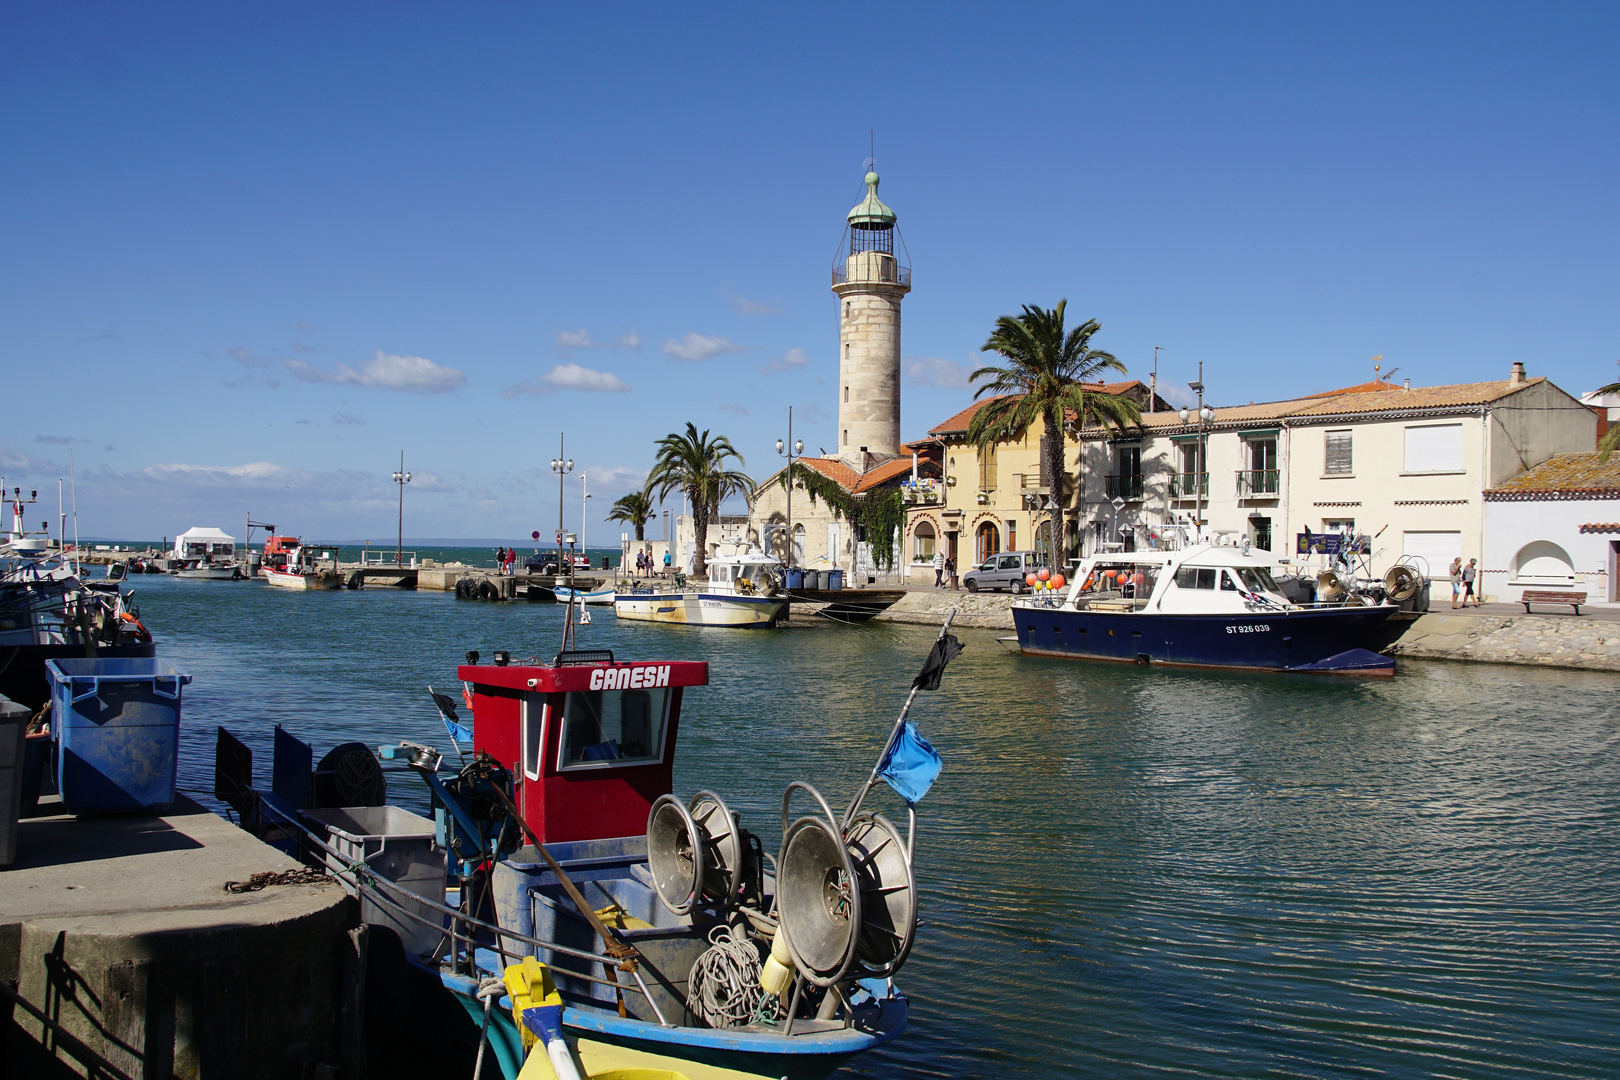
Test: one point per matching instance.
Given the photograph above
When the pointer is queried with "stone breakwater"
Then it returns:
(1548, 640)
(1543, 640)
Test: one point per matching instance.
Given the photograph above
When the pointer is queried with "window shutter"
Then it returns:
(1337, 447)
(1434, 448)
(987, 468)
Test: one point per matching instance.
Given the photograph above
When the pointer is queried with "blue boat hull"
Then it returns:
(1324, 640)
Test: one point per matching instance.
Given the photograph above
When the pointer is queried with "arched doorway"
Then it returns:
(798, 544)
(987, 541)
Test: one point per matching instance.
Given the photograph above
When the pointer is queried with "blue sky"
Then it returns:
(252, 252)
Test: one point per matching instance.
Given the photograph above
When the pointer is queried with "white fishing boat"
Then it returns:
(202, 570)
(744, 589)
(599, 596)
(302, 570)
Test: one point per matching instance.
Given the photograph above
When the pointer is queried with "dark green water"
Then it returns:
(1125, 872)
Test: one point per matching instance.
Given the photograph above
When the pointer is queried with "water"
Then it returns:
(1125, 873)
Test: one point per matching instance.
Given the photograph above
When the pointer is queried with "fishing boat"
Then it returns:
(566, 595)
(587, 920)
(743, 589)
(1212, 605)
(204, 553)
(299, 567)
(207, 570)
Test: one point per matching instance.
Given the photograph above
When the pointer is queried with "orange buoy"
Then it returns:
(1029, 579)
(1043, 573)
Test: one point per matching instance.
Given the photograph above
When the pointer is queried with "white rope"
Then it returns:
(724, 990)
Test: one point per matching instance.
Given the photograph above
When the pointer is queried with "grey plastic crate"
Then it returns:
(399, 846)
(13, 728)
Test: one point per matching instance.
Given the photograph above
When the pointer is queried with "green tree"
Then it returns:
(695, 465)
(1042, 379)
(635, 509)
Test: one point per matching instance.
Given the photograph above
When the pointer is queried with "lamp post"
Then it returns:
(584, 499)
(562, 467)
(401, 478)
(791, 450)
(1206, 415)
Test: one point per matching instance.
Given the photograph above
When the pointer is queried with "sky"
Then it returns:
(251, 253)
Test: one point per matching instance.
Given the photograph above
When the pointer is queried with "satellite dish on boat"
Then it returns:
(694, 852)
(1401, 582)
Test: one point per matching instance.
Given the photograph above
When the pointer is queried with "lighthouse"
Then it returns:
(869, 285)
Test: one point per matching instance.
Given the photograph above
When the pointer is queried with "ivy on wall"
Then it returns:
(880, 512)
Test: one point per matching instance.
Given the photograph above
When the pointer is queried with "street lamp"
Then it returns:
(584, 497)
(790, 450)
(1206, 415)
(401, 478)
(562, 467)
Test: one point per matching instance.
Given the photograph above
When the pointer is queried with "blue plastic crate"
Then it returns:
(116, 722)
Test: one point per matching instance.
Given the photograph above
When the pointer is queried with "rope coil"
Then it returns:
(723, 989)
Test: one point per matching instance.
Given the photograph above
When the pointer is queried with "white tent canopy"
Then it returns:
(195, 543)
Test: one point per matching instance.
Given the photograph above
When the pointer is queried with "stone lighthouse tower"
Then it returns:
(870, 285)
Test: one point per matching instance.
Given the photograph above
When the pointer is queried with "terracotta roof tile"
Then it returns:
(1601, 527)
(878, 474)
(1566, 474)
(958, 424)
(1419, 397)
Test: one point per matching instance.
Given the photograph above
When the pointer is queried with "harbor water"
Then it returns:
(1125, 872)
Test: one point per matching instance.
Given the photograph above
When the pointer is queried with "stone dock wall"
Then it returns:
(1544, 640)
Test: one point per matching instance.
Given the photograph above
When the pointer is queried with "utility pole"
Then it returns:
(791, 449)
(562, 467)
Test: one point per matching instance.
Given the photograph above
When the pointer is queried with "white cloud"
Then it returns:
(569, 340)
(733, 407)
(692, 346)
(792, 360)
(568, 377)
(386, 371)
(256, 369)
(58, 440)
(936, 371)
(744, 306)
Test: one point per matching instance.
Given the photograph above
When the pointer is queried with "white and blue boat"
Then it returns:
(744, 589)
(1208, 606)
(565, 595)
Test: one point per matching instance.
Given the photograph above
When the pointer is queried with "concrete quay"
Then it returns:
(119, 930)
(1495, 633)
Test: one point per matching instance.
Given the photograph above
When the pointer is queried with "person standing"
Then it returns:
(950, 572)
(500, 561)
(511, 562)
(666, 564)
(939, 567)
(1470, 577)
(1456, 579)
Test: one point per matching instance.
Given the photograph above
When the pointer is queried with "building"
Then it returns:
(1556, 526)
(1406, 466)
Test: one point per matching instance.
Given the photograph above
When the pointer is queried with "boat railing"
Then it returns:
(361, 876)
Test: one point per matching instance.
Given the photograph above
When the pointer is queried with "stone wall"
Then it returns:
(1546, 640)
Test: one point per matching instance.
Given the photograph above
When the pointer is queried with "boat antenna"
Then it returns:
(73, 484)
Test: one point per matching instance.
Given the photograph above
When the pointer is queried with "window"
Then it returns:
(1228, 582)
(1336, 453)
(1434, 448)
(846, 393)
(922, 542)
(798, 543)
(987, 468)
(989, 541)
(1129, 461)
(604, 728)
(1011, 562)
(1189, 458)
(1193, 577)
(846, 309)
(1260, 532)
(534, 735)
(1257, 579)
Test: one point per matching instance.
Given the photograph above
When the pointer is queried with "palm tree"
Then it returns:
(634, 509)
(1611, 439)
(695, 465)
(1043, 378)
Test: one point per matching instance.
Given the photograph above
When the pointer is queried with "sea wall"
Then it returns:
(990, 611)
(1549, 640)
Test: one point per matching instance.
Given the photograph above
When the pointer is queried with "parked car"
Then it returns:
(1006, 570)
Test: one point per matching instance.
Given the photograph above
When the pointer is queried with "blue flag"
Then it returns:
(911, 765)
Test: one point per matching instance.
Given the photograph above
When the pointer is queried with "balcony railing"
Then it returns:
(1031, 482)
(1128, 486)
(1257, 482)
(884, 272)
(1189, 485)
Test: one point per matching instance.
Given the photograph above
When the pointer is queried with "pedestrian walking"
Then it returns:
(950, 572)
(939, 567)
(666, 564)
(1470, 576)
(1456, 579)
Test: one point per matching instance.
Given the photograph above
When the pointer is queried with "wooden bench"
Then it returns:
(1533, 596)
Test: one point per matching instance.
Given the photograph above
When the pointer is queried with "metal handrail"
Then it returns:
(1182, 484)
(1126, 486)
(1258, 481)
(902, 276)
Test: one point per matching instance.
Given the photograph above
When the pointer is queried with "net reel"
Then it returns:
(695, 852)
(1330, 586)
(1402, 582)
(844, 898)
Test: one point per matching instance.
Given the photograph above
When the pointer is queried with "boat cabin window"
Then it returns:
(1196, 577)
(721, 572)
(534, 735)
(1133, 580)
(606, 728)
(1256, 579)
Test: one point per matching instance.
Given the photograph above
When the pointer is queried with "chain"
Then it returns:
(301, 876)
